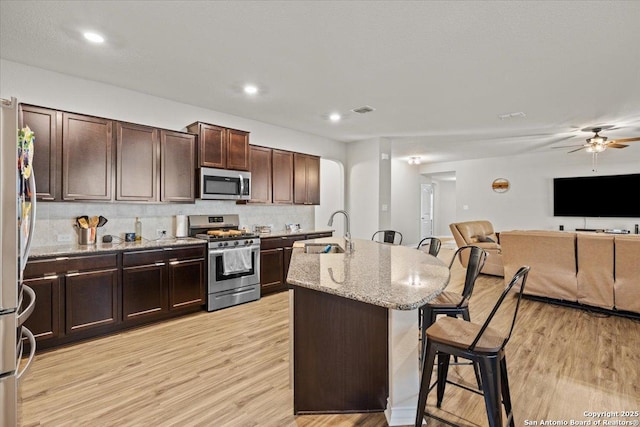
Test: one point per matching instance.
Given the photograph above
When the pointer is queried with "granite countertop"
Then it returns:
(284, 233)
(75, 249)
(390, 276)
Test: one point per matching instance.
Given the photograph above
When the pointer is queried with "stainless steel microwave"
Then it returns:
(223, 184)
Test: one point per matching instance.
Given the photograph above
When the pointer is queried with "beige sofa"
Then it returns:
(479, 233)
(594, 269)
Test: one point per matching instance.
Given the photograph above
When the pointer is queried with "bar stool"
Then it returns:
(481, 344)
(453, 304)
(388, 236)
(434, 245)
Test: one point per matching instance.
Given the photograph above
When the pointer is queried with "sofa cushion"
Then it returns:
(627, 272)
(551, 256)
(485, 239)
(595, 269)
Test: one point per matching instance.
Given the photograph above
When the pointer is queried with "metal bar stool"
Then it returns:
(434, 245)
(388, 236)
(481, 344)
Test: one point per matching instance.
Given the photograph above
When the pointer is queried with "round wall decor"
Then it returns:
(500, 185)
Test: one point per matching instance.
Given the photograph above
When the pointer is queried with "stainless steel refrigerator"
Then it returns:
(17, 221)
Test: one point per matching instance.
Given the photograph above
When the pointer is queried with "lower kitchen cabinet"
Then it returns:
(44, 322)
(275, 256)
(91, 300)
(85, 296)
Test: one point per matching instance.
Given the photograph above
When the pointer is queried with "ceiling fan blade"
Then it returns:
(616, 141)
(615, 145)
(571, 146)
(577, 149)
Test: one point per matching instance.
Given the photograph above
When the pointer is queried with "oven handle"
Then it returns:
(220, 251)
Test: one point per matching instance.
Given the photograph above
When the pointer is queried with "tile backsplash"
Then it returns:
(55, 222)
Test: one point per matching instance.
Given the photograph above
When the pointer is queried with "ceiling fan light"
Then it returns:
(596, 148)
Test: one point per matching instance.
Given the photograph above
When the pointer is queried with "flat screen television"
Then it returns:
(597, 196)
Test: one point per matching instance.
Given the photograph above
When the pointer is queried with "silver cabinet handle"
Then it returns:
(23, 315)
(159, 264)
(32, 351)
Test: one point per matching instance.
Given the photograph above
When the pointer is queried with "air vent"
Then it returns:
(363, 110)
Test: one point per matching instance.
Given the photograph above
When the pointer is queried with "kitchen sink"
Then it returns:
(323, 248)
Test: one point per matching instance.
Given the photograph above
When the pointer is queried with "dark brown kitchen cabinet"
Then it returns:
(282, 177)
(144, 285)
(186, 283)
(220, 147)
(88, 152)
(91, 300)
(47, 127)
(44, 322)
(157, 281)
(85, 296)
(137, 170)
(306, 180)
(271, 268)
(260, 174)
(177, 154)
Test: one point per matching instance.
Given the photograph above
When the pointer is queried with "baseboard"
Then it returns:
(585, 307)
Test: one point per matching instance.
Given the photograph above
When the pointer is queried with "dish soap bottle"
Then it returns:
(138, 230)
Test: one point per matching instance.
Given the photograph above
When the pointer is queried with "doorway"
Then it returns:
(426, 210)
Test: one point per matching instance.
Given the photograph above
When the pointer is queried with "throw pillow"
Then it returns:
(485, 239)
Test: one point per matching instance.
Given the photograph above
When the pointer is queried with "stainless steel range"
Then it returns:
(234, 260)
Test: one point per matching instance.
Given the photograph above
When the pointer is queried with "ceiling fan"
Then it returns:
(597, 143)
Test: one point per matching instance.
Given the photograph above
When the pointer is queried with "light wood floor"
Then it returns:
(230, 368)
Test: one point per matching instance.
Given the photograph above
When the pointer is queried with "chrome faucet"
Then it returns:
(347, 233)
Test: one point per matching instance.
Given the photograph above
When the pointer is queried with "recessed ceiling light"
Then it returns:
(250, 89)
(335, 117)
(94, 37)
(517, 114)
(415, 160)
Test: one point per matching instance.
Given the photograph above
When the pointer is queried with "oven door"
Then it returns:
(221, 184)
(218, 281)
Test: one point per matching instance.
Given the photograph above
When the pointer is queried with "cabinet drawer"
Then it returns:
(142, 257)
(40, 267)
(320, 235)
(91, 262)
(273, 243)
(288, 242)
(184, 253)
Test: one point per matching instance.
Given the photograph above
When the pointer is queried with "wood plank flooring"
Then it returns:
(231, 368)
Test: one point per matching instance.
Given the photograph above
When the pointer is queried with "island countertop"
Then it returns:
(391, 276)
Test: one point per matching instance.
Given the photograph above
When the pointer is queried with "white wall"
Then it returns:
(405, 201)
(444, 209)
(59, 91)
(529, 202)
(363, 174)
(331, 195)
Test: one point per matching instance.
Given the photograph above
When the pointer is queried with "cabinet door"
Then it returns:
(313, 180)
(282, 176)
(91, 300)
(186, 283)
(260, 174)
(300, 178)
(44, 322)
(178, 166)
(237, 150)
(47, 127)
(212, 145)
(137, 163)
(271, 265)
(144, 292)
(87, 151)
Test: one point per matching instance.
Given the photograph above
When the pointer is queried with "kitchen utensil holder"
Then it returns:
(87, 236)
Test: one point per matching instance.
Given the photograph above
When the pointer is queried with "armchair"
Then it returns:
(481, 234)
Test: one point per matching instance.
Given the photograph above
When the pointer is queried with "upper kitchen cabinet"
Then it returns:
(260, 160)
(88, 152)
(137, 174)
(220, 147)
(47, 127)
(306, 183)
(177, 153)
(282, 176)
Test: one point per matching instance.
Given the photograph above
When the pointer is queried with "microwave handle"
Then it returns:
(241, 185)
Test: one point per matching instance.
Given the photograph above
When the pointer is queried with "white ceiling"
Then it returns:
(438, 73)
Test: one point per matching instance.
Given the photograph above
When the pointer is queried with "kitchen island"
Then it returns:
(354, 326)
